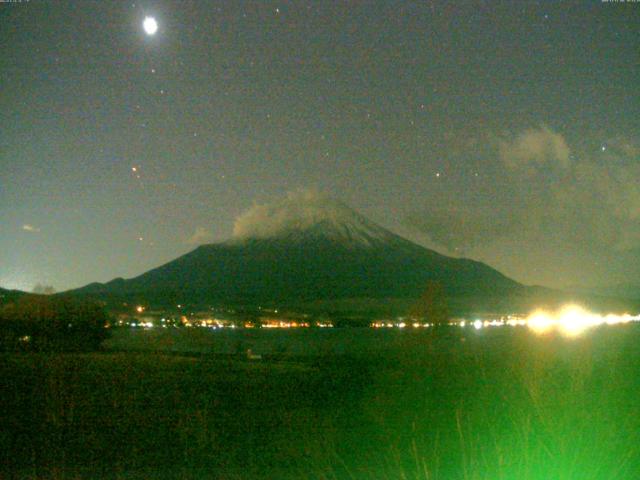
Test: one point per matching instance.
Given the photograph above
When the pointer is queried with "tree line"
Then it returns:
(51, 323)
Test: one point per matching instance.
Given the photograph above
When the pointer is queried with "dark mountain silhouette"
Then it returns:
(8, 296)
(318, 251)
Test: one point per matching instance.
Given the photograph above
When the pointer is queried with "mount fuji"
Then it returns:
(309, 249)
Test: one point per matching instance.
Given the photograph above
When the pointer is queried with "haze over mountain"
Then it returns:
(621, 290)
(310, 249)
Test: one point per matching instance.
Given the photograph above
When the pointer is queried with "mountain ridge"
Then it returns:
(10, 295)
(308, 249)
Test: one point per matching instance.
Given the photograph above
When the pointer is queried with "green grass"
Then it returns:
(487, 405)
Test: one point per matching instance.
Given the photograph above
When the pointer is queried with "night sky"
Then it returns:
(508, 132)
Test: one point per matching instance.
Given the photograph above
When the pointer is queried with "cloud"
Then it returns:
(30, 228)
(607, 199)
(460, 229)
(588, 200)
(534, 147)
(200, 236)
(300, 209)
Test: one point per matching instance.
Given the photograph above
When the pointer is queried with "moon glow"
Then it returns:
(150, 25)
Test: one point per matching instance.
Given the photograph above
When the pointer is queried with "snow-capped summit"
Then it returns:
(307, 248)
(305, 215)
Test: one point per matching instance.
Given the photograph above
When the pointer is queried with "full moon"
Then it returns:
(150, 25)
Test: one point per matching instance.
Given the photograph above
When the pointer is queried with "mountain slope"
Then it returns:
(8, 296)
(304, 250)
(309, 249)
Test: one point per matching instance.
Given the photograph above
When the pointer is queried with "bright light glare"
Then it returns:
(150, 25)
(540, 322)
(570, 320)
(573, 320)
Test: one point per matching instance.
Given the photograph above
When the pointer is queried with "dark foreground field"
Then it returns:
(474, 405)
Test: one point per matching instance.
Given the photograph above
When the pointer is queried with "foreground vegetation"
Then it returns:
(44, 323)
(475, 405)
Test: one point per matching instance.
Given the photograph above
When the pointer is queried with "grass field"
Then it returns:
(499, 404)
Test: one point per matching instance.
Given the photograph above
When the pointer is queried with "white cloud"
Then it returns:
(30, 228)
(300, 209)
(589, 200)
(534, 147)
(200, 236)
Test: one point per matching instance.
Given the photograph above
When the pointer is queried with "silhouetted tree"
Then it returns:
(45, 323)
(43, 289)
(432, 305)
